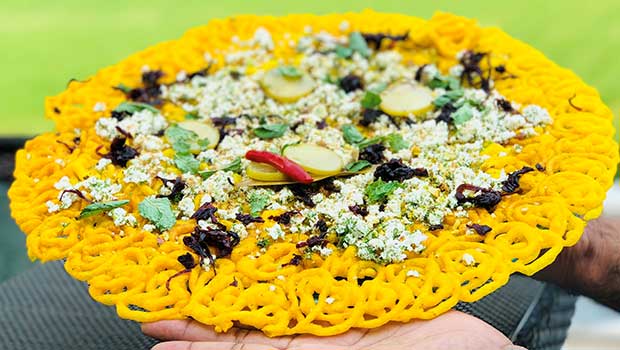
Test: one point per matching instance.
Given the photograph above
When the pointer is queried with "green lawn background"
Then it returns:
(44, 43)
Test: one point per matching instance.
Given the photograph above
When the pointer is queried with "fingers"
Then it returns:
(189, 330)
(185, 345)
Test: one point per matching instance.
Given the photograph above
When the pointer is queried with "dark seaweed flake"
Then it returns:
(511, 184)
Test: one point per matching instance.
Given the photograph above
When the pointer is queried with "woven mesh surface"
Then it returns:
(46, 309)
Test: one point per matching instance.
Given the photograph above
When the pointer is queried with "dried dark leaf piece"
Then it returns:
(351, 82)
(321, 225)
(295, 261)
(480, 229)
(303, 193)
(205, 212)
(376, 39)
(373, 153)
(370, 116)
(485, 198)
(435, 227)
(313, 241)
(120, 153)
(187, 260)
(176, 193)
(360, 210)
(396, 170)
(445, 115)
(504, 105)
(472, 72)
(150, 92)
(284, 218)
(511, 184)
(247, 219)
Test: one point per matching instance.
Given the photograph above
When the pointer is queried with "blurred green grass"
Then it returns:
(46, 43)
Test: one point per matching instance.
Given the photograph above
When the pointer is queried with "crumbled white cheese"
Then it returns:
(52, 207)
(99, 107)
(468, 259)
(413, 273)
(329, 300)
(275, 232)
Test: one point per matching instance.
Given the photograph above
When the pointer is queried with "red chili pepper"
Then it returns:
(286, 166)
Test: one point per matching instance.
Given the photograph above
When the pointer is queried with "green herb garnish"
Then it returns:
(396, 142)
(357, 166)
(357, 43)
(258, 201)
(380, 190)
(187, 163)
(371, 100)
(158, 211)
(98, 208)
(289, 72)
(124, 88)
(463, 114)
(270, 131)
(133, 107)
(181, 139)
(448, 97)
(371, 141)
(351, 134)
(192, 116)
(234, 166)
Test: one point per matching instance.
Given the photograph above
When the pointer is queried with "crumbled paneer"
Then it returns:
(446, 150)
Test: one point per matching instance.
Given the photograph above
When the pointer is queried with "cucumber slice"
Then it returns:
(264, 172)
(204, 131)
(403, 99)
(286, 89)
(315, 159)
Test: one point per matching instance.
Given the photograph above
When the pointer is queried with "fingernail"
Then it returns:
(513, 347)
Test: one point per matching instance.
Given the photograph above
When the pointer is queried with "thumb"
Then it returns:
(513, 347)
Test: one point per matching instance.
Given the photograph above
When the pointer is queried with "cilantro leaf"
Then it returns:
(379, 190)
(351, 134)
(270, 131)
(187, 163)
(98, 208)
(371, 100)
(358, 44)
(448, 97)
(372, 141)
(234, 166)
(357, 166)
(396, 142)
(158, 211)
(192, 116)
(133, 107)
(463, 114)
(181, 139)
(258, 201)
(289, 72)
(343, 52)
(124, 88)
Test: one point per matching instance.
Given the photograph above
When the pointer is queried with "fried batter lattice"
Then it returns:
(530, 229)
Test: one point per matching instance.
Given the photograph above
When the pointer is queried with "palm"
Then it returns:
(453, 330)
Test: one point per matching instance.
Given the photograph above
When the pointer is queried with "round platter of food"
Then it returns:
(313, 174)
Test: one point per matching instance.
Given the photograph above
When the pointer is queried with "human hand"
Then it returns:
(452, 330)
(592, 266)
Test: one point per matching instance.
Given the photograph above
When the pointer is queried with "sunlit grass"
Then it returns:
(45, 43)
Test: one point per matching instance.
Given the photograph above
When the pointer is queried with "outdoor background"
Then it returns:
(43, 44)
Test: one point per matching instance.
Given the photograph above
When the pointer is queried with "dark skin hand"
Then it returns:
(591, 268)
